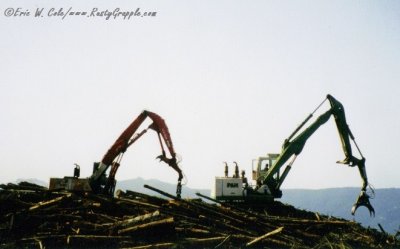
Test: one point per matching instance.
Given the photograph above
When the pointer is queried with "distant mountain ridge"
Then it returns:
(33, 180)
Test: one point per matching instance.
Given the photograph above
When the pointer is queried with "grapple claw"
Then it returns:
(170, 161)
(179, 189)
(363, 200)
(173, 163)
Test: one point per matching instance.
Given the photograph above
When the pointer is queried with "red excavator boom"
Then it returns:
(99, 182)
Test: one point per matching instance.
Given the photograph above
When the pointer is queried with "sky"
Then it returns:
(232, 79)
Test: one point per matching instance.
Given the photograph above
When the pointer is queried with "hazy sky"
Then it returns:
(232, 79)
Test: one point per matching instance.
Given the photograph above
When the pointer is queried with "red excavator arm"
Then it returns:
(100, 183)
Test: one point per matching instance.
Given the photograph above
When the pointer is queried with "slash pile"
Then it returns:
(34, 217)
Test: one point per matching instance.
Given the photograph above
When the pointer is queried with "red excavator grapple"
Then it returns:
(99, 182)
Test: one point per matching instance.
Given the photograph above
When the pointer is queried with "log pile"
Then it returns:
(34, 217)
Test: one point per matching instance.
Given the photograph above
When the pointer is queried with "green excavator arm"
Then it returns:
(295, 143)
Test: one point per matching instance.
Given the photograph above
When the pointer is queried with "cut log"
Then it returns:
(223, 242)
(80, 241)
(135, 195)
(199, 243)
(48, 203)
(278, 230)
(149, 225)
(131, 221)
(154, 246)
(134, 202)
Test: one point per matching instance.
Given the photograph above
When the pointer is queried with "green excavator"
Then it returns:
(267, 170)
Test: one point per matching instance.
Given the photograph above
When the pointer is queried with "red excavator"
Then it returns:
(99, 182)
